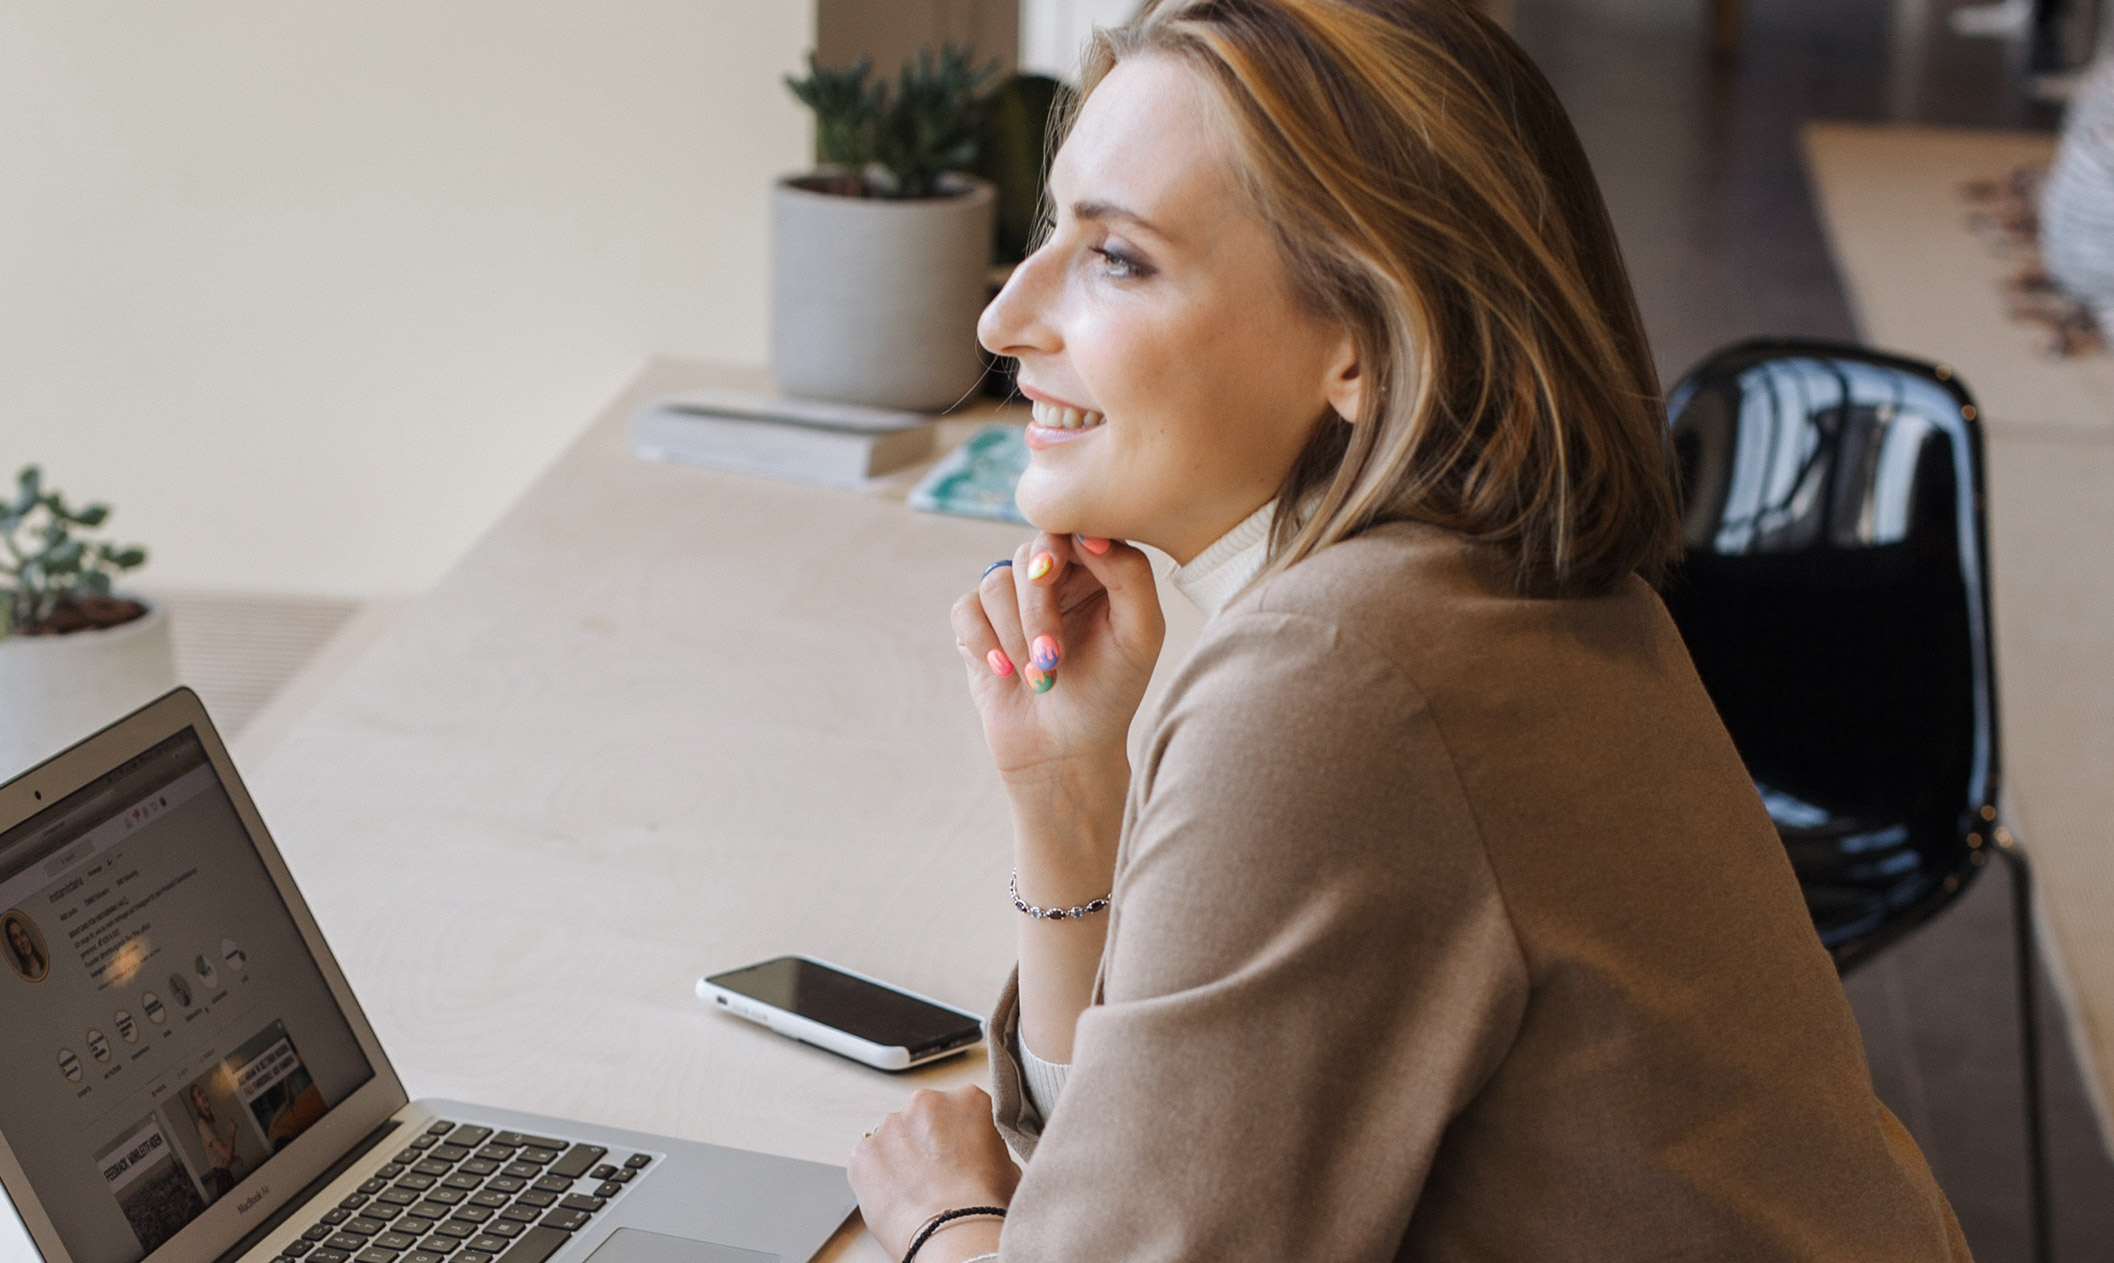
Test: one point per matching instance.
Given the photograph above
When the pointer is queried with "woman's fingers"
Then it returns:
(1001, 607)
(1125, 573)
(1045, 563)
(979, 644)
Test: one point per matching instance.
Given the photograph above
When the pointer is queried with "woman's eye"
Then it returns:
(1118, 263)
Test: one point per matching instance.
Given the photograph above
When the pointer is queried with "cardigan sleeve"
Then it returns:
(1309, 973)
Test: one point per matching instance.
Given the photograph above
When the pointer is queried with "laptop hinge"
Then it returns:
(297, 1201)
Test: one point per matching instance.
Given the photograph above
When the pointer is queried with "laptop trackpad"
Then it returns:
(629, 1245)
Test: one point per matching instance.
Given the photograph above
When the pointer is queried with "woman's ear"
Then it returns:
(1345, 389)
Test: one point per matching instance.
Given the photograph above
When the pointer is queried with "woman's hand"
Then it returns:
(1059, 647)
(941, 1153)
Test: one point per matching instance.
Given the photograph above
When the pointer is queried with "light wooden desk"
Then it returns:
(660, 721)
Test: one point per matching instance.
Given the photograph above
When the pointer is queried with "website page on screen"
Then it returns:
(164, 1030)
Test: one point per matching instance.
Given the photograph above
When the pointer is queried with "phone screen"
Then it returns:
(853, 1005)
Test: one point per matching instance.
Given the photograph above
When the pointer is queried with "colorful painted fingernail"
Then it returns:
(1094, 544)
(1038, 679)
(1043, 655)
(1040, 566)
(1001, 665)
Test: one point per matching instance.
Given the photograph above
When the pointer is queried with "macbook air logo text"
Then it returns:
(252, 1200)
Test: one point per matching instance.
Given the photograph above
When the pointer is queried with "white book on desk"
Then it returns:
(805, 439)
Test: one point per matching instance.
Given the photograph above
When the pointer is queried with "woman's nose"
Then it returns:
(1018, 321)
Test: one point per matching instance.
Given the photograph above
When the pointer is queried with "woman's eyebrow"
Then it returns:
(1105, 211)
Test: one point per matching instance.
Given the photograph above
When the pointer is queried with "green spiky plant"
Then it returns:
(897, 143)
(47, 565)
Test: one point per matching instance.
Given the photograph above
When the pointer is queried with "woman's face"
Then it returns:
(1175, 374)
(18, 938)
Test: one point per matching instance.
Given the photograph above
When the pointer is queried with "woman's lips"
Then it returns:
(1056, 424)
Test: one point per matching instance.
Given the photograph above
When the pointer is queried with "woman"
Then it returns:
(23, 950)
(223, 1164)
(1444, 922)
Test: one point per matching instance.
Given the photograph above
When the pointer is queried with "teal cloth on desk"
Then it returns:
(978, 478)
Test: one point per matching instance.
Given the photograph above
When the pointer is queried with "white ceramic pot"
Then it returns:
(55, 690)
(2077, 207)
(875, 301)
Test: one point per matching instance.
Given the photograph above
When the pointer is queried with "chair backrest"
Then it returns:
(1835, 598)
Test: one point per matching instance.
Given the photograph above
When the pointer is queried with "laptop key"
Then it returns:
(295, 1249)
(554, 1184)
(608, 1188)
(353, 1201)
(389, 1170)
(473, 1256)
(525, 1170)
(445, 1196)
(456, 1230)
(518, 1139)
(579, 1202)
(602, 1172)
(506, 1183)
(336, 1216)
(428, 1210)
(537, 1199)
(464, 1180)
(317, 1233)
(490, 1197)
(415, 1179)
(473, 1214)
(505, 1228)
(625, 1176)
(566, 1220)
(373, 1255)
(536, 1245)
(479, 1166)
(469, 1135)
(409, 1156)
(423, 1256)
(576, 1161)
(326, 1254)
(362, 1226)
(497, 1153)
(440, 1129)
(438, 1244)
(638, 1160)
(396, 1241)
(541, 1157)
(350, 1245)
(489, 1244)
(396, 1196)
(448, 1153)
(433, 1166)
(426, 1142)
(374, 1186)
(521, 1214)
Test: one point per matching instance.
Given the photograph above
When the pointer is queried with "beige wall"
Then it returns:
(310, 291)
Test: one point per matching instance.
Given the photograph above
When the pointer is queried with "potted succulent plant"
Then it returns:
(879, 256)
(74, 653)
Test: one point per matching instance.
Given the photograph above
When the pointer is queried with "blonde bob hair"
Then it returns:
(1427, 191)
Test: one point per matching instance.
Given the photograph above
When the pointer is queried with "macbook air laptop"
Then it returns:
(186, 1078)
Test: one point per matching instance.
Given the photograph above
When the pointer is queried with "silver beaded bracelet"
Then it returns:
(1086, 909)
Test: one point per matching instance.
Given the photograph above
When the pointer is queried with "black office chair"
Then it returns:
(1835, 598)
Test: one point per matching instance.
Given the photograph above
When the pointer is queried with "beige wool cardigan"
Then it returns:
(1448, 926)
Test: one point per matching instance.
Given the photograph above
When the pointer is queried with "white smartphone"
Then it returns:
(844, 1012)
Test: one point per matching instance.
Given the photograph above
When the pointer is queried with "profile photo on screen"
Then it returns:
(26, 953)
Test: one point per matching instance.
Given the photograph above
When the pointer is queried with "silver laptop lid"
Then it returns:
(180, 1052)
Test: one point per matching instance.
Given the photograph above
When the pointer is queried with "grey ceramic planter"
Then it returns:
(875, 301)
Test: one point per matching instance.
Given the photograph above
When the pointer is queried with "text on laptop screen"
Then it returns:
(163, 1028)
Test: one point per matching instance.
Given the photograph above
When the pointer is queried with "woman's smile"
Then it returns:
(1056, 423)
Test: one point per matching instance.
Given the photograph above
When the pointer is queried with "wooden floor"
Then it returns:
(1702, 170)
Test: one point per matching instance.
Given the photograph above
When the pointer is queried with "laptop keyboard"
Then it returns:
(461, 1193)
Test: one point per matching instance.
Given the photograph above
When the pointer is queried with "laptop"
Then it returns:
(188, 1078)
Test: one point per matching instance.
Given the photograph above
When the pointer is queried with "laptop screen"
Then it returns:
(164, 1030)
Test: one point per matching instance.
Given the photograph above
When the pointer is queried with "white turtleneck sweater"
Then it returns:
(1212, 578)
